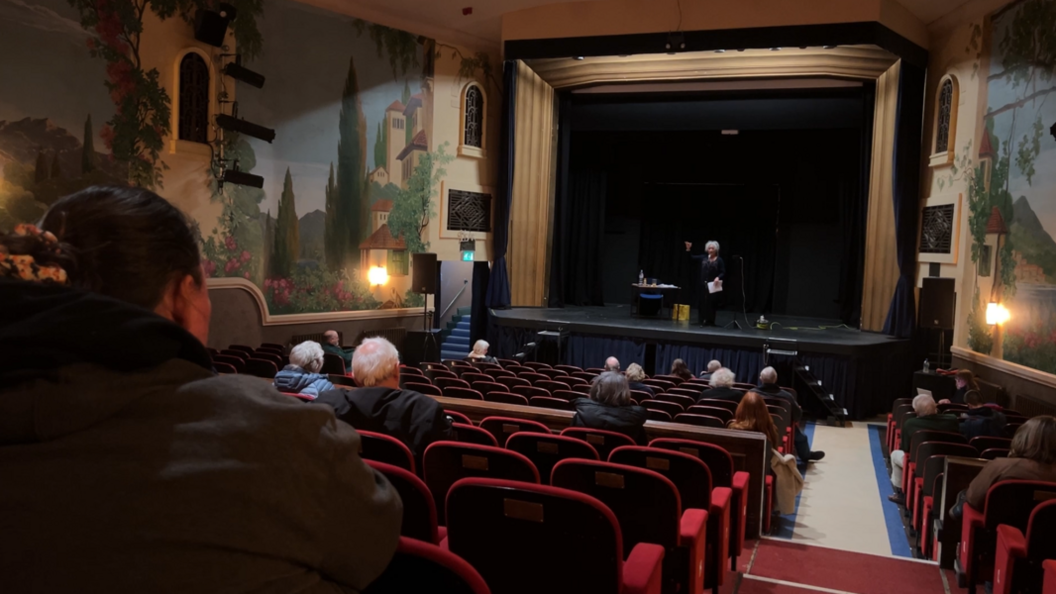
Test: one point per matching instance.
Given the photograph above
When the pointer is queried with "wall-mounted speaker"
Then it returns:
(423, 274)
(210, 26)
(937, 303)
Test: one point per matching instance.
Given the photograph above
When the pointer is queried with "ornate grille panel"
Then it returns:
(473, 135)
(468, 211)
(936, 230)
(194, 99)
(942, 133)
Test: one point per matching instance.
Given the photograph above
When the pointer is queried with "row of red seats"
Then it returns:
(264, 361)
(903, 409)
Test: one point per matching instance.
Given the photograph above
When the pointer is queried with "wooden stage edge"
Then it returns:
(749, 450)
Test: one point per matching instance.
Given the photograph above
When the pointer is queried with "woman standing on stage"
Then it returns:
(712, 269)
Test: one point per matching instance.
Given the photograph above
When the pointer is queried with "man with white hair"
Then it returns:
(713, 366)
(333, 346)
(768, 386)
(928, 418)
(302, 375)
(612, 364)
(380, 405)
(721, 383)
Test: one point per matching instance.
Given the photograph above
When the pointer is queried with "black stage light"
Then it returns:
(210, 26)
(241, 178)
(238, 72)
(1052, 131)
(232, 124)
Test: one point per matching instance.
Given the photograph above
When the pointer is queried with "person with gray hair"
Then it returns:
(612, 364)
(712, 269)
(302, 375)
(928, 418)
(713, 366)
(480, 354)
(768, 387)
(635, 374)
(610, 408)
(381, 406)
(721, 383)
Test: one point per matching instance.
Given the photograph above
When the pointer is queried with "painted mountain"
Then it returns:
(1031, 240)
(312, 227)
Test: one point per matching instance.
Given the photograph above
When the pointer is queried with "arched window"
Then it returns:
(194, 99)
(945, 122)
(472, 143)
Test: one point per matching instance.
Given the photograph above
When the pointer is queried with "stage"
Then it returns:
(864, 371)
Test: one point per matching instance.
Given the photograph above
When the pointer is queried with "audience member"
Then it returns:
(612, 364)
(721, 383)
(752, 415)
(965, 381)
(302, 375)
(480, 353)
(610, 408)
(768, 386)
(681, 370)
(1033, 458)
(635, 374)
(159, 475)
(333, 346)
(981, 420)
(713, 366)
(928, 418)
(381, 406)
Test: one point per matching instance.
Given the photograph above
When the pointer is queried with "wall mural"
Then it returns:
(1012, 190)
(351, 180)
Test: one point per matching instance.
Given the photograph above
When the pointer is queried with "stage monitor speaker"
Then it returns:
(210, 26)
(937, 299)
(420, 346)
(423, 274)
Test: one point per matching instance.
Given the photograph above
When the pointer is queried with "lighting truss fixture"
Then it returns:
(238, 72)
(241, 178)
(233, 124)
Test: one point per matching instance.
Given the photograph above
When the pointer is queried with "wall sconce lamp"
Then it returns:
(377, 275)
(996, 314)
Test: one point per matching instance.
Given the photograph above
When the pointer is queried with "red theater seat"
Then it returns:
(445, 462)
(419, 509)
(422, 567)
(551, 402)
(463, 393)
(506, 398)
(679, 399)
(467, 433)
(384, 448)
(1050, 577)
(700, 420)
(451, 382)
(534, 539)
(603, 441)
(427, 389)
(1017, 567)
(545, 451)
(503, 427)
(649, 510)
(457, 417)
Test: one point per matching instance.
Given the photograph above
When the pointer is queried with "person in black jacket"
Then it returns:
(609, 407)
(981, 420)
(635, 374)
(768, 385)
(712, 269)
(721, 383)
(381, 406)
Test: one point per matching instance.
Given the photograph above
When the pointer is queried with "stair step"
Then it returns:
(465, 311)
(460, 331)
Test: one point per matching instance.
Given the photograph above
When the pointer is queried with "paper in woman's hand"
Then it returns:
(715, 286)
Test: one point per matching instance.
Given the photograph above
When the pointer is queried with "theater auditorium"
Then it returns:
(523, 296)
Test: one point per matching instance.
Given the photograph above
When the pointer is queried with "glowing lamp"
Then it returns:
(996, 313)
(378, 275)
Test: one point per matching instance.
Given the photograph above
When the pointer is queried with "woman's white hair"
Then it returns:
(723, 378)
(712, 243)
(308, 356)
(481, 347)
(374, 361)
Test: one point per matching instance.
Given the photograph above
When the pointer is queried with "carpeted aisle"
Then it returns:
(790, 568)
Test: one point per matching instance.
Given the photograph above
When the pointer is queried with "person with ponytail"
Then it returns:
(127, 464)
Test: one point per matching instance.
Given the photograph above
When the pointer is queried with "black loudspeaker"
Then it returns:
(210, 26)
(423, 274)
(937, 299)
(419, 346)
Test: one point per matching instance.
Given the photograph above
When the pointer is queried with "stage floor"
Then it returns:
(791, 332)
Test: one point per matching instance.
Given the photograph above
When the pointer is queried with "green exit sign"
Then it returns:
(467, 256)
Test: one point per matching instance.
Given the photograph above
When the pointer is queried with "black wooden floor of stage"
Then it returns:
(809, 334)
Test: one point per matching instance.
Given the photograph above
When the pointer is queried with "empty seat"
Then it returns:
(384, 448)
(910, 470)
(503, 427)
(261, 368)
(445, 462)
(457, 417)
(700, 420)
(407, 370)
(486, 387)
(333, 364)
(545, 451)
(463, 393)
(983, 443)
(269, 356)
(640, 396)
(238, 363)
(1018, 561)
(582, 389)
(241, 347)
(419, 508)
(530, 539)
(569, 395)
(550, 402)
(485, 365)
(552, 385)
(536, 365)
(649, 510)
(569, 369)
(497, 373)
(467, 433)
(669, 407)
(585, 375)
(506, 398)
(680, 391)
(712, 411)
(530, 391)
(513, 382)
(994, 453)
(603, 441)
(679, 399)
(273, 345)
(554, 373)
(674, 379)
(427, 389)
(1007, 502)
(450, 382)
(723, 474)
(507, 362)
(532, 377)
(575, 381)
(662, 385)
(221, 367)
(926, 451)
(476, 377)
(659, 415)
(434, 373)
(422, 567)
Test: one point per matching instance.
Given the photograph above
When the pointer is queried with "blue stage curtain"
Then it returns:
(746, 364)
(901, 317)
(584, 350)
(499, 284)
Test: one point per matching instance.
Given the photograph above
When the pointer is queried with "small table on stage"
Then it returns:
(658, 289)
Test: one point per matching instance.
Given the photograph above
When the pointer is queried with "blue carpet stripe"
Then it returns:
(788, 523)
(896, 534)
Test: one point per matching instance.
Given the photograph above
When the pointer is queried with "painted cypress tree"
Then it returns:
(351, 162)
(88, 148)
(408, 128)
(40, 171)
(381, 147)
(287, 235)
(56, 172)
(331, 248)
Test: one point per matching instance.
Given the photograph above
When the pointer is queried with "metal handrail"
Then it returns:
(465, 283)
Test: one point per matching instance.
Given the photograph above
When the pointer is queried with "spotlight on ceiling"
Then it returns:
(238, 72)
(233, 124)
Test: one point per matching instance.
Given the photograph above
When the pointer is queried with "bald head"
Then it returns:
(612, 364)
(768, 375)
(331, 337)
(376, 363)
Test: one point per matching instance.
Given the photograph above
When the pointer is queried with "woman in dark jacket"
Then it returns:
(635, 374)
(609, 407)
(1033, 458)
(160, 475)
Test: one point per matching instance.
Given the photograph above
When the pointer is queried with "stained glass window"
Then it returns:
(194, 99)
(942, 131)
(473, 134)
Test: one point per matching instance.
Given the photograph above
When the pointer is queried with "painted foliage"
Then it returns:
(1013, 188)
